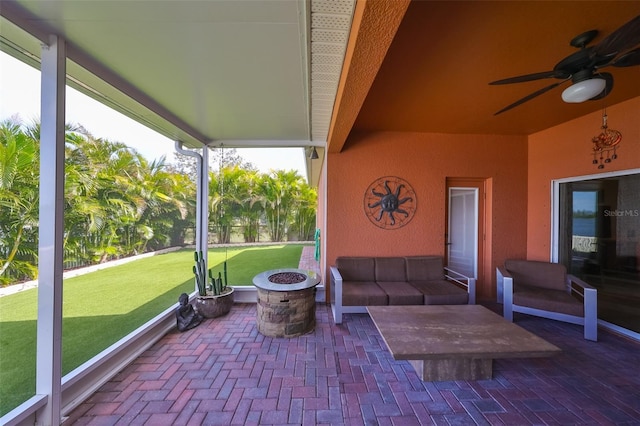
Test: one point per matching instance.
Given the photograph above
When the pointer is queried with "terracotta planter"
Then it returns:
(214, 306)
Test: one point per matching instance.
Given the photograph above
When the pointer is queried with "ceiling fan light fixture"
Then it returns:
(583, 90)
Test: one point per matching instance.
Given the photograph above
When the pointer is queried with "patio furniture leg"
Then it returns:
(591, 314)
(507, 285)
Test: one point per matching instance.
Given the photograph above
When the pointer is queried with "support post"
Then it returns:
(51, 229)
(202, 227)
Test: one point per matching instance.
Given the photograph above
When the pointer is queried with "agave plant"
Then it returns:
(213, 285)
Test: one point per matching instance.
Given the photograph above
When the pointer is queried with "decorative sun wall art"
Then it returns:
(390, 202)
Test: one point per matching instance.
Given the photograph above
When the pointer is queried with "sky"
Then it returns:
(20, 95)
(584, 201)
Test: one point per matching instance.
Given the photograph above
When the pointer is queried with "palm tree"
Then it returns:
(305, 212)
(226, 203)
(98, 210)
(119, 202)
(250, 208)
(278, 191)
(19, 200)
(158, 193)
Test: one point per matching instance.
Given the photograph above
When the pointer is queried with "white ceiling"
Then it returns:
(239, 73)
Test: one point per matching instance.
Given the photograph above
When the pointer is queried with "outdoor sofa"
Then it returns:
(546, 290)
(358, 282)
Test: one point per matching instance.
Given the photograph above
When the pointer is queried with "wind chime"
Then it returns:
(605, 144)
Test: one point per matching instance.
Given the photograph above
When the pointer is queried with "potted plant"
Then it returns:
(214, 298)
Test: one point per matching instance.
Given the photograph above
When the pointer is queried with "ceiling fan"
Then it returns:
(582, 68)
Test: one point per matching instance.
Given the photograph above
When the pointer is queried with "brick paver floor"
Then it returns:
(308, 260)
(225, 372)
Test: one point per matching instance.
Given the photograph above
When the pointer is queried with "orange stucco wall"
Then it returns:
(565, 151)
(425, 161)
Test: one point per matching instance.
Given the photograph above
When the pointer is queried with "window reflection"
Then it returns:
(599, 228)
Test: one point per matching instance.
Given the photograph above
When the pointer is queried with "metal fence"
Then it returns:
(78, 257)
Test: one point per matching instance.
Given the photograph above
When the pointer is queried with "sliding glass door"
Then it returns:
(599, 241)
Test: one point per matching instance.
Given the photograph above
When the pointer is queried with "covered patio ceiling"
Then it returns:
(234, 73)
(270, 73)
(433, 74)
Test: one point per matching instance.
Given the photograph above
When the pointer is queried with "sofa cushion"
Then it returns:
(537, 274)
(390, 269)
(424, 268)
(356, 268)
(363, 293)
(548, 300)
(441, 292)
(401, 293)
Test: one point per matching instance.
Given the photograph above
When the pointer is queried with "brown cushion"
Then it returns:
(356, 268)
(537, 274)
(548, 300)
(363, 293)
(390, 269)
(401, 293)
(441, 292)
(424, 268)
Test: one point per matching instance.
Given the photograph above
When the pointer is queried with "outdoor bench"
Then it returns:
(358, 282)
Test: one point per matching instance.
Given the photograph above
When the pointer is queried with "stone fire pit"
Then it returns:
(286, 302)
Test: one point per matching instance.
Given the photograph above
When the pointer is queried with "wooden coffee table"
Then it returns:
(454, 342)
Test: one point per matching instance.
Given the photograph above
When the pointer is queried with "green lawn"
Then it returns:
(102, 307)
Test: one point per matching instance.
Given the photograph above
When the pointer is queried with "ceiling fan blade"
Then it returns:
(629, 59)
(530, 77)
(608, 77)
(531, 96)
(625, 37)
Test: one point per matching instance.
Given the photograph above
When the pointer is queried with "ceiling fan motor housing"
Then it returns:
(581, 75)
(574, 63)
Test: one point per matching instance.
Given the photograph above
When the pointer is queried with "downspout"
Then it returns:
(202, 197)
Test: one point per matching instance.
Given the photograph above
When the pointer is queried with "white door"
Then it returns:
(462, 240)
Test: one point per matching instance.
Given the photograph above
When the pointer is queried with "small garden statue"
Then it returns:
(186, 317)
